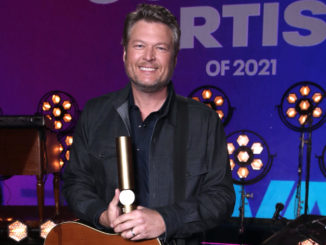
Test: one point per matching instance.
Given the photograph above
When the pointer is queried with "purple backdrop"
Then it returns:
(74, 46)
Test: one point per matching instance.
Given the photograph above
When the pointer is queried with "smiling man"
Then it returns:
(182, 174)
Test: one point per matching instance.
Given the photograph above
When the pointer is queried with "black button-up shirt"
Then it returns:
(141, 134)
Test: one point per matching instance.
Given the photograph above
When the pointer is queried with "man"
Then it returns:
(149, 111)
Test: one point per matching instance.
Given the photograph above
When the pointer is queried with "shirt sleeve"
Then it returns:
(79, 188)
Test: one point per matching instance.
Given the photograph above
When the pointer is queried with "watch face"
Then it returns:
(127, 197)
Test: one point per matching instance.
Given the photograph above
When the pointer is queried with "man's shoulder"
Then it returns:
(106, 100)
(194, 105)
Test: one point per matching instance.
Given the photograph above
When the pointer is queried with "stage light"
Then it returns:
(302, 106)
(66, 105)
(243, 172)
(231, 148)
(17, 231)
(302, 109)
(305, 90)
(250, 161)
(291, 112)
(67, 118)
(215, 99)
(69, 140)
(249, 153)
(207, 94)
(243, 157)
(257, 148)
(67, 155)
(46, 227)
(317, 97)
(60, 148)
(196, 98)
(317, 112)
(56, 99)
(302, 119)
(243, 140)
(66, 141)
(62, 110)
(218, 100)
(232, 164)
(57, 125)
(308, 242)
(56, 112)
(292, 98)
(220, 114)
(46, 106)
(257, 164)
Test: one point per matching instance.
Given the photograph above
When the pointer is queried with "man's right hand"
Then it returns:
(113, 211)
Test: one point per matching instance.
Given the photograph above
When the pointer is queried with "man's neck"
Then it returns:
(149, 102)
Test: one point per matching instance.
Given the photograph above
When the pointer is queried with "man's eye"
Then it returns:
(161, 48)
(139, 46)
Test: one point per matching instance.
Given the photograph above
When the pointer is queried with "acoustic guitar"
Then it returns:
(74, 233)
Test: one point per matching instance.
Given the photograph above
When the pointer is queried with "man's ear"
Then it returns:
(124, 55)
(175, 61)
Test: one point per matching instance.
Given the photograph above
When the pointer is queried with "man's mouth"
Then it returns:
(142, 68)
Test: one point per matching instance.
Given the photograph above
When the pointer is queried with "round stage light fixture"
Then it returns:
(302, 109)
(61, 109)
(303, 106)
(250, 161)
(215, 99)
(249, 155)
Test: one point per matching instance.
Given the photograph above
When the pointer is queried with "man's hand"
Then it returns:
(113, 211)
(142, 223)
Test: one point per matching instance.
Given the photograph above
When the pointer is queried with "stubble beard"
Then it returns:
(156, 86)
(152, 88)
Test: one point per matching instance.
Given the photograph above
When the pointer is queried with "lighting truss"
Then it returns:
(61, 108)
(215, 99)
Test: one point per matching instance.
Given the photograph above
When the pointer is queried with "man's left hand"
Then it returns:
(142, 223)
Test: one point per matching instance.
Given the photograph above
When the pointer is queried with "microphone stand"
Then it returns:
(242, 209)
(308, 163)
(304, 141)
(298, 191)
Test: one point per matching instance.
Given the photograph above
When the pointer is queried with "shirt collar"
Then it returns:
(165, 107)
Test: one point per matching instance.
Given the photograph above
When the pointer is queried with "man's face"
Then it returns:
(149, 56)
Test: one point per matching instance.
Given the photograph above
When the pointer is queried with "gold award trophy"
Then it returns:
(126, 173)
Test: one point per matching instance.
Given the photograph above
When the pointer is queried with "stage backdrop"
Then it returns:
(251, 50)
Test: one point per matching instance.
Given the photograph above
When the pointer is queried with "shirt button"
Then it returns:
(138, 149)
(139, 126)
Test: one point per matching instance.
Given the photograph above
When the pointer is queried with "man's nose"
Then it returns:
(149, 54)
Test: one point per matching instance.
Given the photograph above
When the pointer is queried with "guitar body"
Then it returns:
(74, 233)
